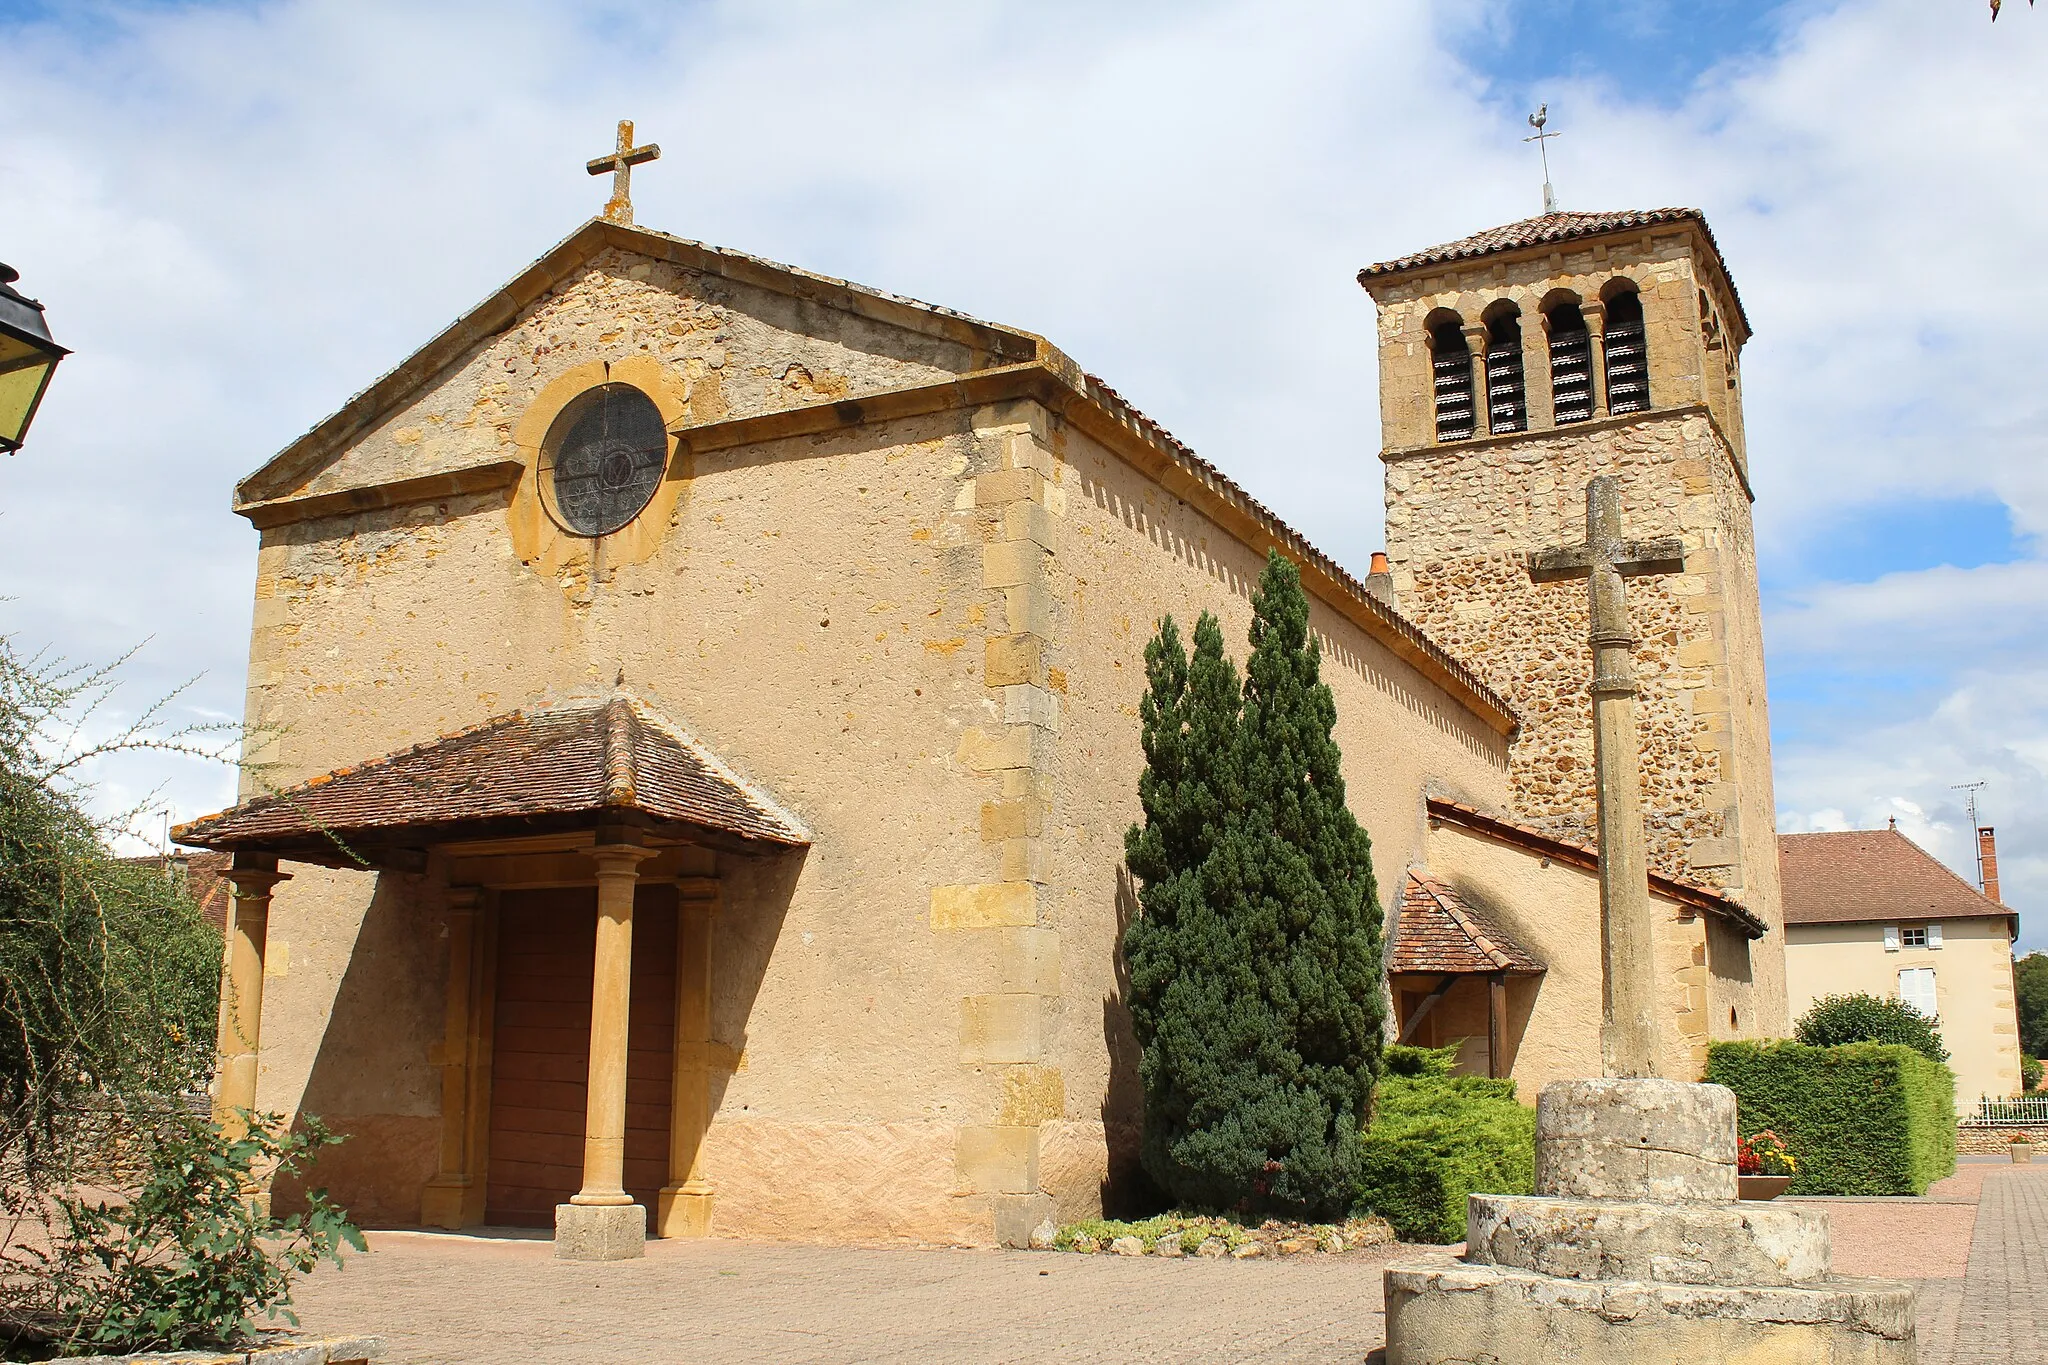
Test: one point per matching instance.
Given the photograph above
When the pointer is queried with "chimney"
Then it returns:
(1379, 581)
(1987, 862)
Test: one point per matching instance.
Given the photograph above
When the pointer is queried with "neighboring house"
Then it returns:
(1871, 912)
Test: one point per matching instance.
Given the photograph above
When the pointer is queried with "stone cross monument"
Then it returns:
(1635, 1245)
(619, 208)
(1631, 1029)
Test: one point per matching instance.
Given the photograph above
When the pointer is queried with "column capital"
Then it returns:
(620, 860)
(253, 875)
(464, 900)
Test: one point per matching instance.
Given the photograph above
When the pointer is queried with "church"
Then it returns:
(693, 721)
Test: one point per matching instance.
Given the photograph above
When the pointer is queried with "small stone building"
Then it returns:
(1870, 912)
(693, 712)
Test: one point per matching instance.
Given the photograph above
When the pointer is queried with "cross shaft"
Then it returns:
(619, 208)
(1631, 1031)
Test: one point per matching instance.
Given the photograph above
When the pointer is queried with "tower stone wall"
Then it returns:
(1464, 515)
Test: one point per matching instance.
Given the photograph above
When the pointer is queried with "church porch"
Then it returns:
(576, 858)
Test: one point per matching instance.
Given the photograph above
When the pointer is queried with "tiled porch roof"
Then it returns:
(605, 757)
(1440, 933)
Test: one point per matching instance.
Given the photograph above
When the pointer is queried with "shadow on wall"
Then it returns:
(755, 896)
(1127, 1192)
(370, 1079)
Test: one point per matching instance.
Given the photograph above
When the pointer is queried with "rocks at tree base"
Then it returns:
(1247, 1250)
(1169, 1247)
(1044, 1235)
(1213, 1247)
(1127, 1246)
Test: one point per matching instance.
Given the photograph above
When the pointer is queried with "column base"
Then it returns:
(600, 1232)
(442, 1201)
(680, 1211)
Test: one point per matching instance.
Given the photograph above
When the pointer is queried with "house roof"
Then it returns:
(1438, 931)
(1873, 874)
(1587, 857)
(1551, 229)
(609, 756)
(1016, 361)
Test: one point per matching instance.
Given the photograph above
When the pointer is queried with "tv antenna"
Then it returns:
(1976, 839)
(1542, 140)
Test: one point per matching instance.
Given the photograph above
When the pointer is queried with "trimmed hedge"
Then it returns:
(1436, 1138)
(1862, 1118)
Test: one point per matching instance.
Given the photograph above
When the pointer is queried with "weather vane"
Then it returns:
(1536, 121)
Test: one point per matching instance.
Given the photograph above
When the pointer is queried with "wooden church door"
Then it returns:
(540, 1051)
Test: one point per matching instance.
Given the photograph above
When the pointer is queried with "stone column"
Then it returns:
(443, 1202)
(684, 1209)
(1477, 339)
(241, 989)
(1632, 1039)
(1595, 314)
(601, 1222)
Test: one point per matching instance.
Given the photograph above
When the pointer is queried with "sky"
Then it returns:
(240, 214)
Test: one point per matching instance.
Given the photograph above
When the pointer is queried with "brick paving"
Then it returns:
(1977, 1251)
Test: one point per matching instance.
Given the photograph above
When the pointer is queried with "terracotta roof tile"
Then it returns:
(1544, 230)
(1872, 874)
(1541, 230)
(1438, 931)
(606, 754)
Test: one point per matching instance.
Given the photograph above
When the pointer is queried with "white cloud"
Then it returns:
(239, 216)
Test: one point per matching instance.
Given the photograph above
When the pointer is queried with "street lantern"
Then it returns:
(27, 356)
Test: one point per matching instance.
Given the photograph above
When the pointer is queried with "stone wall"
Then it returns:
(1461, 521)
(1972, 1140)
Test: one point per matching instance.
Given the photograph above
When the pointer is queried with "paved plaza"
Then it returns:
(1977, 1248)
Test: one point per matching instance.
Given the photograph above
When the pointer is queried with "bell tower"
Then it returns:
(1515, 365)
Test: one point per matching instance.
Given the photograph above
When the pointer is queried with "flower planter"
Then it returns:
(1762, 1187)
(2022, 1152)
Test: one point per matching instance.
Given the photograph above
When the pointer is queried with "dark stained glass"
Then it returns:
(607, 449)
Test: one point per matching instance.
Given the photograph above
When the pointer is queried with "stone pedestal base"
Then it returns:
(600, 1232)
(1634, 1249)
(680, 1211)
(1441, 1309)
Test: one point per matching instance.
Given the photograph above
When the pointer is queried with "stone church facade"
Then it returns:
(693, 711)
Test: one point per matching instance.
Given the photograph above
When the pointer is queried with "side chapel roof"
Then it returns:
(1873, 874)
(611, 756)
(1016, 363)
(1586, 857)
(1438, 931)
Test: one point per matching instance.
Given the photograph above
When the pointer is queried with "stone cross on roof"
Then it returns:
(619, 208)
(1630, 1034)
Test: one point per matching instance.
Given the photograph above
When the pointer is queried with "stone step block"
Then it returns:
(1653, 1140)
(1596, 1239)
(1442, 1310)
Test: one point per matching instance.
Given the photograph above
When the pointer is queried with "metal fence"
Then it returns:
(2019, 1109)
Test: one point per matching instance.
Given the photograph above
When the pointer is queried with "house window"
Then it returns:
(1916, 988)
(1913, 936)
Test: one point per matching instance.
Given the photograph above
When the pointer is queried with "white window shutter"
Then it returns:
(1934, 935)
(1891, 938)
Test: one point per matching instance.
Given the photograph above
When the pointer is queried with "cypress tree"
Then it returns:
(1254, 962)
